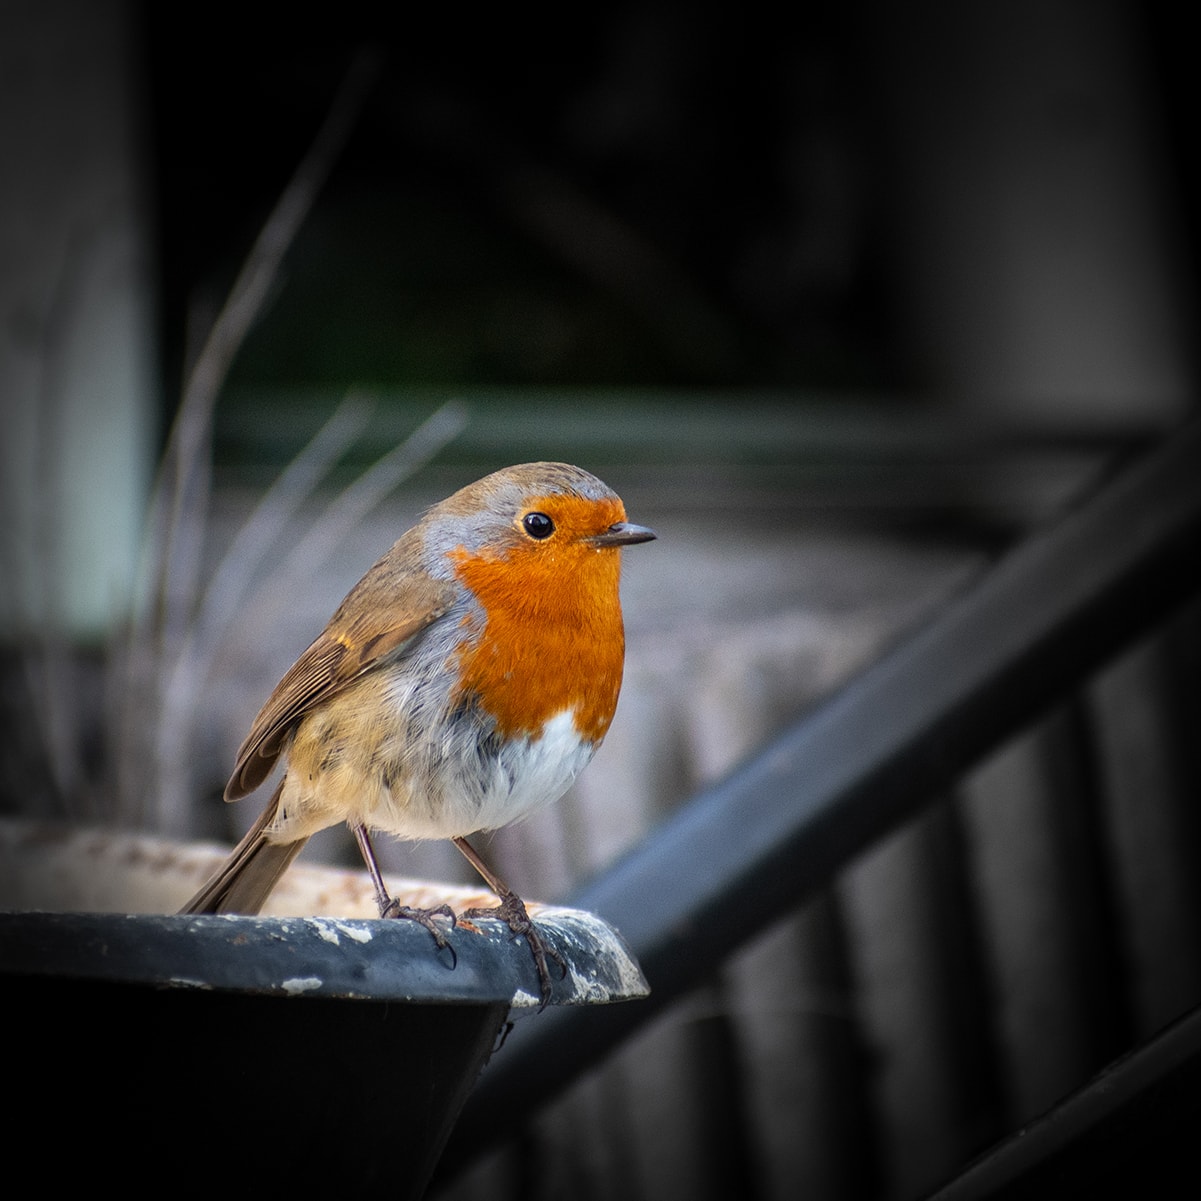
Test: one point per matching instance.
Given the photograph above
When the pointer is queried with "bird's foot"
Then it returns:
(392, 908)
(512, 911)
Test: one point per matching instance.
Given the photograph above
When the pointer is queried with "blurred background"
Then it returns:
(844, 301)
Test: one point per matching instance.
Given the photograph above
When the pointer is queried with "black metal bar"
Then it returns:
(1130, 1132)
(753, 846)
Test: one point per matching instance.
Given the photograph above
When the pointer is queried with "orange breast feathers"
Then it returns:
(553, 638)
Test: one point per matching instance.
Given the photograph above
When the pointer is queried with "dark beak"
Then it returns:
(624, 533)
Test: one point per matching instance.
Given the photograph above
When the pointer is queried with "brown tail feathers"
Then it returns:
(244, 881)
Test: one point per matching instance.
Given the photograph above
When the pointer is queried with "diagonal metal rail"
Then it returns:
(782, 825)
(1131, 1131)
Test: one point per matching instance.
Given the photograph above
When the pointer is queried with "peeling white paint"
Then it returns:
(329, 934)
(300, 984)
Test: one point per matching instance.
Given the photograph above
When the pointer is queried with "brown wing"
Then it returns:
(378, 619)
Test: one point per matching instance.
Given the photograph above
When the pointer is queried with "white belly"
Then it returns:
(469, 791)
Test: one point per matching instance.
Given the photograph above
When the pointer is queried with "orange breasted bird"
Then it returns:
(465, 680)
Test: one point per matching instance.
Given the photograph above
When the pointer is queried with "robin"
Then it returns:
(464, 681)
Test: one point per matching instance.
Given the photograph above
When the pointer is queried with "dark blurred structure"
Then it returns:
(993, 206)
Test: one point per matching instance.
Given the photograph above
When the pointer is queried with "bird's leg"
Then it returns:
(389, 906)
(512, 910)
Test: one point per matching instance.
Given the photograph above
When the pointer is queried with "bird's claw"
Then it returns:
(512, 911)
(426, 918)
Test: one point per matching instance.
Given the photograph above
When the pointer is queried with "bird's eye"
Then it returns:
(538, 525)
